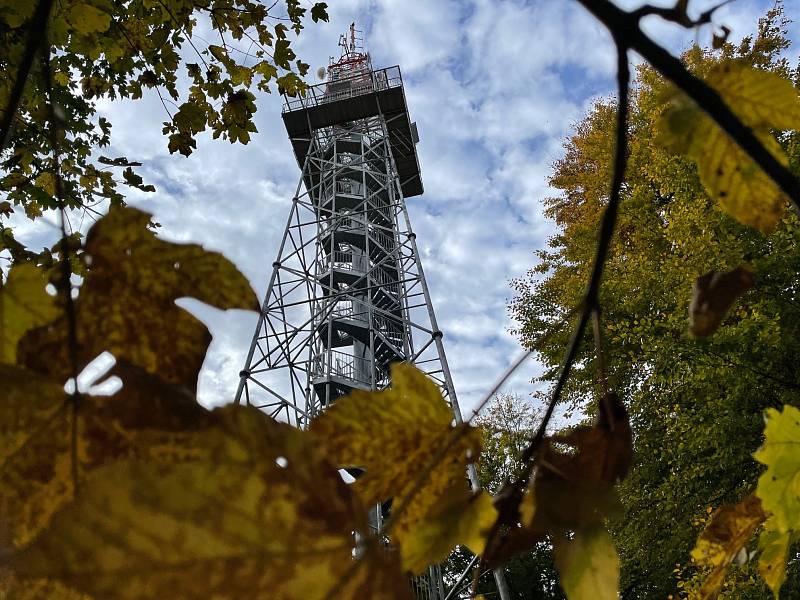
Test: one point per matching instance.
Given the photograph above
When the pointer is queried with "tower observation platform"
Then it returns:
(352, 97)
(347, 295)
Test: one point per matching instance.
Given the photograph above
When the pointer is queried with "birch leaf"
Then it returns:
(760, 98)
(763, 101)
(738, 185)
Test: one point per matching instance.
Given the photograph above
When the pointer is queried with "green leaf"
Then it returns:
(24, 304)
(47, 181)
(283, 55)
(131, 178)
(319, 12)
(219, 53)
(588, 565)
(191, 117)
(88, 19)
(779, 486)
(774, 548)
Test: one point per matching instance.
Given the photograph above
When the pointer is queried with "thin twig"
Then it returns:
(602, 377)
(591, 301)
(677, 14)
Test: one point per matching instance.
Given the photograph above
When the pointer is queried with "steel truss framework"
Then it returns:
(347, 295)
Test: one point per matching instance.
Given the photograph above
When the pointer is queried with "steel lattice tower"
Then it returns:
(347, 295)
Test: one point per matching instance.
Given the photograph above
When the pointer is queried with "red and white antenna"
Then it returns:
(354, 59)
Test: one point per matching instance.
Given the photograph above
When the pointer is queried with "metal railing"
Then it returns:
(347, 87)
(349, 309)
(346, 224)
(342, 365)
(357, 226)
(391, 329)
(348, 186)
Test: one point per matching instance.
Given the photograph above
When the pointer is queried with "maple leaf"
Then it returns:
(774, 554)
(147, 419)
(88, 19)
(259, 512)
(127, 303)
(779, 486)
(392, 435)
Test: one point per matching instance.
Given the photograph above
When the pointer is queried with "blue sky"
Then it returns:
(494, 86)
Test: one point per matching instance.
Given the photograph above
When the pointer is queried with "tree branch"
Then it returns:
(624, 27)
(35, 35)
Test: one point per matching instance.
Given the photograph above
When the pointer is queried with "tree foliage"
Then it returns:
(696, 406)
(111, 50)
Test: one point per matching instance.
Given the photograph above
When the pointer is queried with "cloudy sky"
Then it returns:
(494, 86)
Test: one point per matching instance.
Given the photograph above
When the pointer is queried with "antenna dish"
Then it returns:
(321, 73)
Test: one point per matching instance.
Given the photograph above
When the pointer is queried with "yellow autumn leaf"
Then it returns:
(88, 19)
(779, 486)
(47, 181)
(727, 532)
(458, 518)
(392, 435)
(15, 13)
(35, 589)
(774, 554)
(761, 99)
(738, 185)
(147, 419)
(588, 565)
(127, 303)
(33, 432)
(261, 513)
(24, 304)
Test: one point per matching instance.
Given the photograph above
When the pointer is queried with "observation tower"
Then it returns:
(347, 295)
